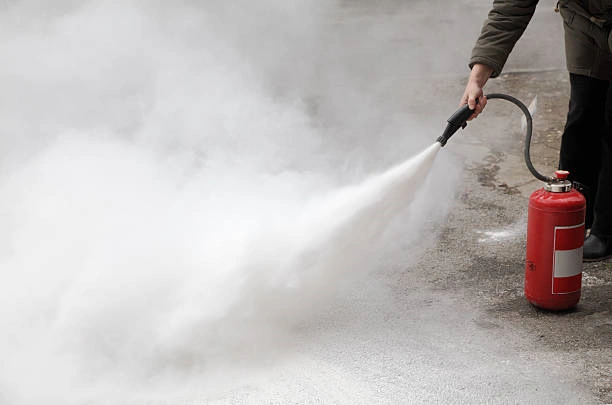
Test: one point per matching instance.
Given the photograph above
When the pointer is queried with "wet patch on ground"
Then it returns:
(487, 173)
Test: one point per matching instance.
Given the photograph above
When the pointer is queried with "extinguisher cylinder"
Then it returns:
(555, 237)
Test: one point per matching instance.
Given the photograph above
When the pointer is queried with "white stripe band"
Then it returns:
(568, 263)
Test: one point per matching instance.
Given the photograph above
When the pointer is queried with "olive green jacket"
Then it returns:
(587, 35)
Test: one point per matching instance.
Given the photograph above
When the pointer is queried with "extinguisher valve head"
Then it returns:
(559, 183)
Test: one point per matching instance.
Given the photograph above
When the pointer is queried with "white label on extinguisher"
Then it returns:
(567, 267)
(568, 263)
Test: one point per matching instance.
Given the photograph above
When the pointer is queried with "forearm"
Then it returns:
(504, 26)
(480, 74)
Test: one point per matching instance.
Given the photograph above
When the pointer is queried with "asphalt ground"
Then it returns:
(446, 321)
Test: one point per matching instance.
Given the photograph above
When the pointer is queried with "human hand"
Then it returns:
(473, 95)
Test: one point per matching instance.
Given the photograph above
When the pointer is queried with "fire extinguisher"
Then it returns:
(555, 226)
(555, 235)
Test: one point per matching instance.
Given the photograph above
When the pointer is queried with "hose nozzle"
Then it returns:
(456, 121)
(459, 120)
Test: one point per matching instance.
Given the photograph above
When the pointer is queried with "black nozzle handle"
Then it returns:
(456, 121)
(461, 116)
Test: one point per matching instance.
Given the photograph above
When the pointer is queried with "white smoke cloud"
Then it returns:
(155, 163)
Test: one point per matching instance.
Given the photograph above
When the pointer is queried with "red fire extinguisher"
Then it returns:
(555, 228)
(555, 235)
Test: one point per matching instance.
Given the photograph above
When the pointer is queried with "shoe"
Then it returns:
(596, 248)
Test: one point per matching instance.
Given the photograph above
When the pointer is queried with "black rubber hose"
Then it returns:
(528, 133)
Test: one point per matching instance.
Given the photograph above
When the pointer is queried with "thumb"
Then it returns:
(471, 102)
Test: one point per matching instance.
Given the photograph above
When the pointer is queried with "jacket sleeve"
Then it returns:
(504, 26)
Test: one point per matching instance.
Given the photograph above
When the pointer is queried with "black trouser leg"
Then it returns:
(602, 225)
(582, 138)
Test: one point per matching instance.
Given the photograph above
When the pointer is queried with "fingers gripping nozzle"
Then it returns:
(456, 121)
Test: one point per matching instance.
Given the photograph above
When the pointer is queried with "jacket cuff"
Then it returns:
(496, 66)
